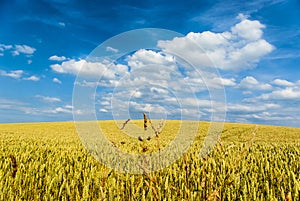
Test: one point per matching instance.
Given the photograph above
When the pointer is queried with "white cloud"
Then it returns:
(155, 83)
(15, 105)
(89, 69)
(62, 110)
(211, 81)
(32, 78)
(158, 90)
(247, 56)
(69, 106)
(105, 103)
(288, 93)
(267, 116)
(16, 74)
(23, 109)
(56, 80)
(251, 108)
(57, 58)
(249, 30)
(4, 47)
(242, 16)
(250, 83)
(230, 50)
(103, 110)
(158, 68)
(241, 48)
(223, 81)
(274, 118)
(24, 49)
(210, 40)
(143, 58)
(48, 99)
(281, 82)
(265, 110)
(62, 24)
(17, 49)
(163, 85)
(67, 109)
(111, 49)
(137, 94)
(247, 92)
(85, 83)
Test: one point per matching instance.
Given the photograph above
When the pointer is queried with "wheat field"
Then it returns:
(47, 161)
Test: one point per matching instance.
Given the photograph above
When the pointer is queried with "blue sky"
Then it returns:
(255, 46)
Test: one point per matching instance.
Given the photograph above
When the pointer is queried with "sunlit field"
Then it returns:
(47, 161)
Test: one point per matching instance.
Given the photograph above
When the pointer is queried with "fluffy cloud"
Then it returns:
(4, 47)
(57, 58)
(144, 66)
(210, 40)
(227, 82)
(48, 99)
(264, 111)
(32, 78)
(111, 49)
(241, 48)
(89, 69)
(288, 93)
(277, 107)
(103, 110)
(67, 109)
(17, 49)
(210, 82)
(267, 116)
(249, 30)
(247, 56)
(69, 106)
(73, 67)
(62, 110)
(15, 105)
(251, 108)
(219, 82)
(56, 80)
(16, 74)
(9, 108)
(150, 67)
(285, 91)
(19, 74)
(62, 24)
(164, 81)
(154, 82)
(144, 57)
(23, 49)
(251, 83)
(281, 82)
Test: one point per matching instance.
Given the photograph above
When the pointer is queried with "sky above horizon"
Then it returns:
(253, 49)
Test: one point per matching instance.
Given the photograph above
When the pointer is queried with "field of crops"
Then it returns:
(47, 161)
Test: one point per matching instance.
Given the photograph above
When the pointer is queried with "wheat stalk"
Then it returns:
(14, 166)
(124, 124)
(145, 120)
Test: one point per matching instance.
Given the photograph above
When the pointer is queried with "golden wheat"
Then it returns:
(46, 161)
